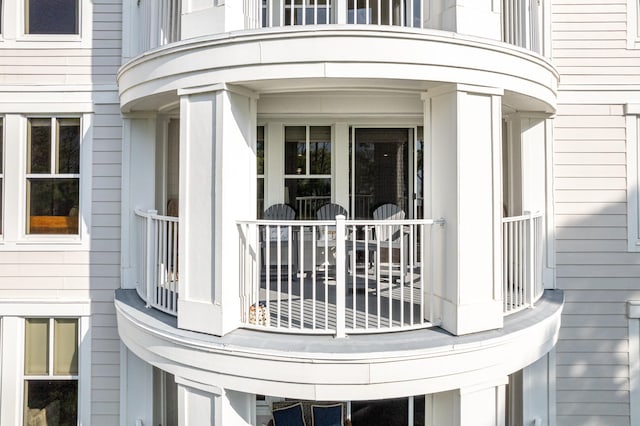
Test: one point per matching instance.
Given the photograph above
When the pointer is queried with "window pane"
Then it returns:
(68, 152)
(295, 147)
(307, 195)
(1, 136)
(320, 150)
(39, 146)
(53, 206)
(65, 346)
(51, 16)
(36, 346)
(260, 150)
(50, 402)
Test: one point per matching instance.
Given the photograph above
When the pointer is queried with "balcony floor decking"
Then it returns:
(369, 303)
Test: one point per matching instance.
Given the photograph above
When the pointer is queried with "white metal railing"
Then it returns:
(278, 13)
(337, 277)
(522, 23)
(157, 253)
(308, 206)
(159, 23)
(522, 243)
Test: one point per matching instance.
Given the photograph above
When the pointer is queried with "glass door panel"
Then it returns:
(380, 170)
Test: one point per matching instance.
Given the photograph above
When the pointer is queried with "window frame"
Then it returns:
(2, 180)
(13, 33)
(26, 4)
(307, 175)
(14, 237)
(84, 361)
(632, 117)
(633, 24)
(52, 174)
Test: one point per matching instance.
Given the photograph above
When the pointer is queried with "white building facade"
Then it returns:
(402, 212)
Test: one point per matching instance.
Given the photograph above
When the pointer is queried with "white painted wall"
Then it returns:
(594, 267)
(53, 75)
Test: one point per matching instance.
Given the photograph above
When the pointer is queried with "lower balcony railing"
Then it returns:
(157, 252)
(522, 250)
(337, 277)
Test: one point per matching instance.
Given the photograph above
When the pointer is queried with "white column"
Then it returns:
(483, 405)
(206, 17)
(340, 187)
(463, 124)
(200, 404)
(538, 391)
(136, 389)
(11, 378)
(217, 188)
(139, 186)
(471, 17)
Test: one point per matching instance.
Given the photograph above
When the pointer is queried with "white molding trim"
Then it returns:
(633, 179)
(633, 313)
(45, 308)
(633, 24)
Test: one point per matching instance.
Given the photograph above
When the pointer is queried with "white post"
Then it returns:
(149, 257)
(341, 267)
(341, 11)
(531, 257)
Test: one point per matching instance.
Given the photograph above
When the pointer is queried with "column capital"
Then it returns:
(218, 87)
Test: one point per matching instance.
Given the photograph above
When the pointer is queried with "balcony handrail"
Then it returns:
(309, 276)
(522, 260)
(157, 275)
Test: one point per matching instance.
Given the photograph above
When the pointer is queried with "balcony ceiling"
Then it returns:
(334, 58)
(324, 368)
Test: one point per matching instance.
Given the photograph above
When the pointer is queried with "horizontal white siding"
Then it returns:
(77, 274)
(594, 268)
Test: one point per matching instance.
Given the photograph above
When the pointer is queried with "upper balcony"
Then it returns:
(518, 22)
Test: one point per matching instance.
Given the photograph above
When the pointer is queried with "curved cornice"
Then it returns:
(321, 56)
(324, 368)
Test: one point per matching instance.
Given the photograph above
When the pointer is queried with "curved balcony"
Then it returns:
(338, 277)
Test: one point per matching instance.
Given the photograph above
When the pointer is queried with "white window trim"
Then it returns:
(15, 238)
(13, 30)
(632, 113)
(633, 314)
(13, 313)
(633, 24)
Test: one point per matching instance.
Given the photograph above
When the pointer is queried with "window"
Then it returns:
(51, 371)
(53, 176)
(307, 182)
(1, 167)
(633, 24)
(52, 17)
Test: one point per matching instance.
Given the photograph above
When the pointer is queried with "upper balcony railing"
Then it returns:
(158, 22)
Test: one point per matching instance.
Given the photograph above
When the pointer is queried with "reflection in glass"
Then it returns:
(51, 17)
(320, 150)
(52, 206)
(307, 195)
(46, 401)
(295, 150)
(381, 169)
(36, 346)
(39, 145)
(68, 147)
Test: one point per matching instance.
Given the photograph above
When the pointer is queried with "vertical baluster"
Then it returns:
(340, 276)
(378, 277)
(402, 270)
(289, 274)
(302, 277)
(411, 265)
(390, 270)
(279, 274)
(354, 290)
(314, 296)
(326, 277)
(366, 274)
